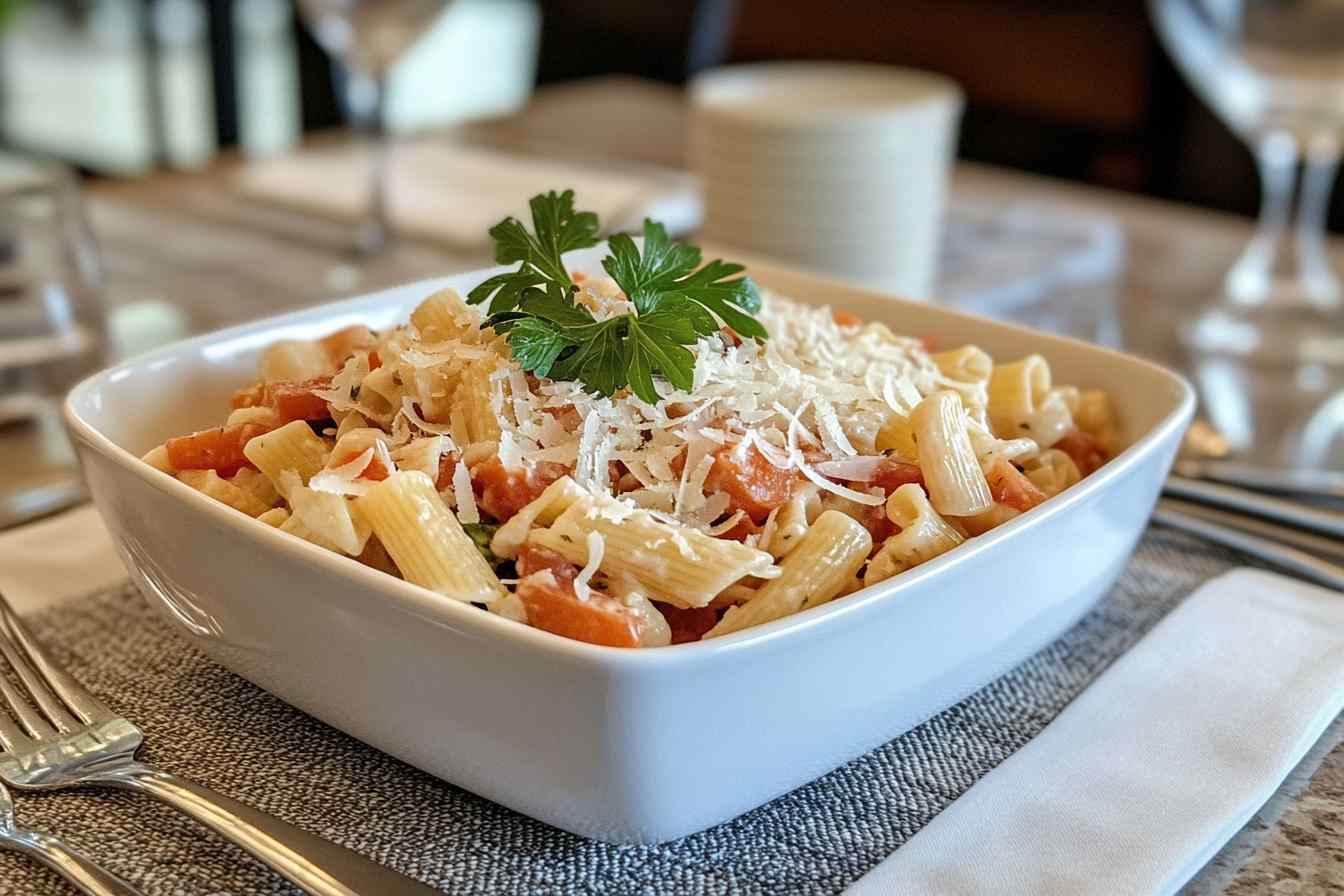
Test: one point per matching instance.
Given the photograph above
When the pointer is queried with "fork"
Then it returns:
(61, 736)
(73, 866)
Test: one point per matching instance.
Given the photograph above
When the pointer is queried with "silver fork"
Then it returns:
(73, 866)
(60, 736)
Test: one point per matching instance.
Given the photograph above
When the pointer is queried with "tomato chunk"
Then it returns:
(216, 449)
(688, 624)
(1085, 450)
(845, 318)
(298, 401)
(553, 606)
(534, 558)
(340, 345)
(753, 484)
(892, 474)
(1010, 486)
(249, 396)
(290, 401)
(447, 464)
(503, 492)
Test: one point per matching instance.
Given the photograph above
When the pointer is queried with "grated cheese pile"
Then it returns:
(812, 397)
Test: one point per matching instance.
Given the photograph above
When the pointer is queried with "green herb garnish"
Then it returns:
(676, 301)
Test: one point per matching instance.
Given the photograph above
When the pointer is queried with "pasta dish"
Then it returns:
(774, 466)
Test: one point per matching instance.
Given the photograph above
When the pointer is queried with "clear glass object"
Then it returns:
(52, 332)
(1273, 70)
(366, 37)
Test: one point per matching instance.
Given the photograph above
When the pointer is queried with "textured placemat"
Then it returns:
(205, 722)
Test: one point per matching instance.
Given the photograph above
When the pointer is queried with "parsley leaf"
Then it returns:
(675, 303)
(668, 268)
(556, 229)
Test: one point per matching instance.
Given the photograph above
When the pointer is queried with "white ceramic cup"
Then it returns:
(839, 167)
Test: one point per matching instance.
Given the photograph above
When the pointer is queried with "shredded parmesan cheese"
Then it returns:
(466, 498)
(597, 546)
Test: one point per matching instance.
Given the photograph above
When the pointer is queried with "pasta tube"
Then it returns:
(293, 446)
(796, 514)
(897, 435)
(924, 535)
(967, 364)
(824, 563)
(442, 316)
(473, 398)
(426, 541)
(541, 511)
(1052, 471)
(208, 482)
(674, 564)
(1015, 390)
(294, 361)
(952, 474)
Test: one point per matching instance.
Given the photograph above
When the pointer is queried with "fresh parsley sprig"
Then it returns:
(675, 302)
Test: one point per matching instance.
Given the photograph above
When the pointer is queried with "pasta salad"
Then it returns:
(771, 468)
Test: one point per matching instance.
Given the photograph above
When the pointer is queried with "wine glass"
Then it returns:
(366, 37)
(52, 332)
(1274, 71)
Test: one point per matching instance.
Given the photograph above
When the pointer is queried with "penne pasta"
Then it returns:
(209, 483)
(425, 539)
(967, 364)
(442, 316)
(1015, 391)
(294, 361)
(924, 535)
(293, 446)
(673, 564)
(824, 563)
(952, 474)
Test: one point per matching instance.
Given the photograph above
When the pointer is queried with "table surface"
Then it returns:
(192, 241)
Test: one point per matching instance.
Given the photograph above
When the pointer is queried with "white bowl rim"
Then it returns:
(733, 93)
(439, 609)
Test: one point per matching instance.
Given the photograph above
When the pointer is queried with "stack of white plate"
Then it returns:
(838, 167)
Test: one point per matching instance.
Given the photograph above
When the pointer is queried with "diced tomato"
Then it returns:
(844, 318)
(291, 401)
(340, 345)
(216, 449)
(1085, 450)
(503, 492)
(298, 401)
(878, 524)
(534, 558)
(376, 471)
(553, 606)
(892, 474)
(1010, 486)
(249, 396)
(930, 344)
(447, 464)
(741, 530)
(374, 361)
(688, 624)
(753, 484)
(731, 335)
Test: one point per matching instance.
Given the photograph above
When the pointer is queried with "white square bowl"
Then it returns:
(620, 745)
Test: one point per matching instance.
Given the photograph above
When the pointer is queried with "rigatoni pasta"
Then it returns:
(794, 471)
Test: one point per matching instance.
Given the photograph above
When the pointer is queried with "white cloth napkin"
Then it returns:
(452, 193)
(1141, 780)
(67, 555)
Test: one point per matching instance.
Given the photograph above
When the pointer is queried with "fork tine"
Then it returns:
(29, 718)
(38, 692)
(52, 675)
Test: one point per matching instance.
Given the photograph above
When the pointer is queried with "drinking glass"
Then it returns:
(52, 332)
(366, 37)
(1273, 70)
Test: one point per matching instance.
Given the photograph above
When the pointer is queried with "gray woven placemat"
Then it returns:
(205, 722)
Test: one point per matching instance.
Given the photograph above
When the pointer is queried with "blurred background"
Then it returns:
(120, 86)
(1155, 176)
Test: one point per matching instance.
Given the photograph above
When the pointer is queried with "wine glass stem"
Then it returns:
(1285, 265)
(365, 98)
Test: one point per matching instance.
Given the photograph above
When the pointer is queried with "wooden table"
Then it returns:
(190, 240)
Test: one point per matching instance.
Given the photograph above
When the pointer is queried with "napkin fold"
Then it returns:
(1144, 777)
(438, 190)
(67, 555)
